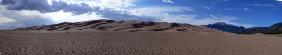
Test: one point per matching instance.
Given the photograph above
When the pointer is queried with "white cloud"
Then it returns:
(4, 20)
(263, 5)
(279, 0)
(69, 17)
(208, 8)
(246, 9)
(119, 5)
(157, 11)
(195, 20)
(168, 1)
(164, 14)
(15, 19)
(57, 17)
(23, 18)
(237, 9)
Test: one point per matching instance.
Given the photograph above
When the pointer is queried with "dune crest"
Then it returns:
(131, 26)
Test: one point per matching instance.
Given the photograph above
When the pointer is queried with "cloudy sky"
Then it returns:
(247, 13)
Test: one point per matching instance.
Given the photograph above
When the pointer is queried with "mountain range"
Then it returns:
(274, 29)
(228, 28)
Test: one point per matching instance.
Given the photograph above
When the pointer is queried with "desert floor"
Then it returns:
(136, 43)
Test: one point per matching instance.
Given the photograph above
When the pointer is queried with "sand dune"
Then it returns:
(129, 26)
(136, 43)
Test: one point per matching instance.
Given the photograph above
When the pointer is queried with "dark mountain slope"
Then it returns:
(228, 28)
(274, 29)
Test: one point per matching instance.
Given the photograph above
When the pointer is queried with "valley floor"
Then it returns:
(136, 43)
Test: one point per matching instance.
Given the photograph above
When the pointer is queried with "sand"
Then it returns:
(136, 43)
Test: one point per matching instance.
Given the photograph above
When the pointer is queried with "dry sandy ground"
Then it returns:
(136, 43)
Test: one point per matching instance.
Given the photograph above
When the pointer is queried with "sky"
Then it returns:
(247, 13)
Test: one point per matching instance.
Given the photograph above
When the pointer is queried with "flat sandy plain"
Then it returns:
(136, 43)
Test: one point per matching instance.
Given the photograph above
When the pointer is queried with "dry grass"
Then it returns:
(136, 43)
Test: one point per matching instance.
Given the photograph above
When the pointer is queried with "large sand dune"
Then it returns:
(136, 43)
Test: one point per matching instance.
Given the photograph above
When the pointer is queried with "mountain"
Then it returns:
(131, 26)
(264, 30)
(277, 28)
(228, 28)
(274, 29)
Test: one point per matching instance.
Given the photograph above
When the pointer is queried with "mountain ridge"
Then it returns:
(228, 27)
(274, 29)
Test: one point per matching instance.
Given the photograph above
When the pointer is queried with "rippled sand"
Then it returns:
(136, 43)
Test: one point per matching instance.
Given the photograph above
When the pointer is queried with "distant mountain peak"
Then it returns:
(227, 27)
(277, 25)
(222, 23)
